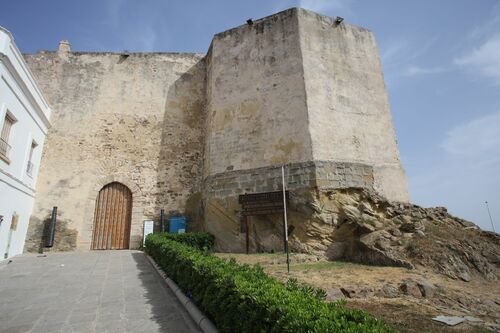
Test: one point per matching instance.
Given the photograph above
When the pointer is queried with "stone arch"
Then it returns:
(137, 210)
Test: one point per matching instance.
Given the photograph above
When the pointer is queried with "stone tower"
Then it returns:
(295, 88)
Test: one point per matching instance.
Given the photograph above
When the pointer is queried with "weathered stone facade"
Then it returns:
(188, 133)
(136, 119)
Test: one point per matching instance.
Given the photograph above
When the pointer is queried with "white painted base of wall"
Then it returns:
(13, 201)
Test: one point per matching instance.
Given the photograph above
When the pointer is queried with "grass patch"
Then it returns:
(309, 266)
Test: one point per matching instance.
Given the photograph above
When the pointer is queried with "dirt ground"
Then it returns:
(478, 298)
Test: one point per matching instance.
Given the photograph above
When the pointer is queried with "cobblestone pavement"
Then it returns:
(97, 291)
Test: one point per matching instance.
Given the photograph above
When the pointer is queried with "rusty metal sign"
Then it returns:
(262, 203)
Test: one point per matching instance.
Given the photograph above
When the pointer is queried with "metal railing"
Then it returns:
(29, 169)
(4, 148)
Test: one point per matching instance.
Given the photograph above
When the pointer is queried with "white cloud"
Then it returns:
(489, 26)
(465, 174)
(416, 70)
(399, 53)
(393, 51)
(485, 59)
(461, 184)
(477, 138)
(398, 57)
(323, 6)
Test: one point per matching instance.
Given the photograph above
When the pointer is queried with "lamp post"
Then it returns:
(491, 220)
(285, 218)
(162, 220)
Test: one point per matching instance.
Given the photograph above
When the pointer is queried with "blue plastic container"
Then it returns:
(177, 224)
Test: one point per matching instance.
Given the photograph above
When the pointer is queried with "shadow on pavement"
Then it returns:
(166, 310)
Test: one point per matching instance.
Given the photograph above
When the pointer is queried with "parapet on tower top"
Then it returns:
(64, 46)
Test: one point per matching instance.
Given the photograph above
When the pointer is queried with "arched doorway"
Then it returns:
(112, 218)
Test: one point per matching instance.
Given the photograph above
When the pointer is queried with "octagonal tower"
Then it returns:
(296, 89)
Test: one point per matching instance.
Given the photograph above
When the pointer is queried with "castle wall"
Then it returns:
(349, 114)
(136, 119)
(189, 133)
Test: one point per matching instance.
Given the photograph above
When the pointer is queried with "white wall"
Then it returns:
(21, 97)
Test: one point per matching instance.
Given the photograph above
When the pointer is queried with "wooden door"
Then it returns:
(112, 218)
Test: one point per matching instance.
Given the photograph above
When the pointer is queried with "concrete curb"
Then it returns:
(198, 317)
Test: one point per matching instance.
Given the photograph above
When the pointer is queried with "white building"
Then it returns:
(24, 121)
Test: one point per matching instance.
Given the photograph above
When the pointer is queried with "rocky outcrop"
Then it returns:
(409, 287)
(358, 225)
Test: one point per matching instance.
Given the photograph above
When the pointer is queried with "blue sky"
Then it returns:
(441, 63)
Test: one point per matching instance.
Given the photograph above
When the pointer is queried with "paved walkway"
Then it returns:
(98, 291)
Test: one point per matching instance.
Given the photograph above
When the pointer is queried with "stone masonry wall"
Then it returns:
(133, 118)
(256, 97)
(318, 174)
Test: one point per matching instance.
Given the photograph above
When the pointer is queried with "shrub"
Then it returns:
(413, 249)
(241, 298)
(203, 241)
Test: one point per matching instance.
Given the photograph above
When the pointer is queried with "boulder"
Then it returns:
(349, 292)
(352, 213)
(410, 288)
(407, 227)
(365, 292)
(383, 244)
(334, 294)
(365, 228)
(427, 289)
(388, 291)
(419, 233)
(336, 250)
(464, 276)
(371, 238)
(454, 267)
(395, 232)
(366, 208)
(406, 219)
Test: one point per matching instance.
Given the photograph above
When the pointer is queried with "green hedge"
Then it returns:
(201, 240)
(244, 299)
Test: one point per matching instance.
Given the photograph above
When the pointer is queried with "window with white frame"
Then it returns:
(5, 135)
(30, 166)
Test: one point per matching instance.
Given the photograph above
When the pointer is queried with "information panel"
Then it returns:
(148, 229)
(262, 203)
